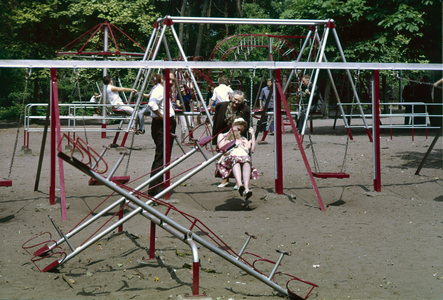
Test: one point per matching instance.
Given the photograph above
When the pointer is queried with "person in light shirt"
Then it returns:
(221, 93)
(157, 104)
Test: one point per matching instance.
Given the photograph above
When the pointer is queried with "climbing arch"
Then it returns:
(243, 47)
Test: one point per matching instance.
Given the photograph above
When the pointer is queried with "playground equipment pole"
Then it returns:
(105, 92)
(376, 130)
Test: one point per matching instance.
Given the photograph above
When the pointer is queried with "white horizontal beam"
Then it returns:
(244, 21)
(83, 64)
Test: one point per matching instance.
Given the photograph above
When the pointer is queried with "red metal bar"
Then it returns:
(53, 142)
(5, 182)
(125, 137)
(92, 35)
(120, 216)
(300, 148)
(278, 137)
(195, 278)
(376, 141)
(103, 130)
(152, 242)
(56, 116)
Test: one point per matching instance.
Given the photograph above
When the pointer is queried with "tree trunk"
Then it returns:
(226, 15)
(188, 29)
(327, 98)
(240, 6)
(208, 30)
(200, 30)
(180, 30)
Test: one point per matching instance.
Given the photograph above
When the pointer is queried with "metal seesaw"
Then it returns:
(132, 197)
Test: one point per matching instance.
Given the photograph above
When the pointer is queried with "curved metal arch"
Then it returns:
(283, 38)
(244, 41)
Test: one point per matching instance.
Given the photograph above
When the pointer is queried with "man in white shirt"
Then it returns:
(221, 93)
(157, 104)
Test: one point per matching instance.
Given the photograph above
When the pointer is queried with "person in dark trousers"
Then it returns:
(317, 101)
(408, 95)
(157, 104)
(263, 97)
(423, 94)
(186, 107)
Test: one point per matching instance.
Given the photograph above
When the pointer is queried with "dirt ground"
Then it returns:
(366, 245)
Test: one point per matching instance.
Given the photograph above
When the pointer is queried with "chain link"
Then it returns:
(27, 76)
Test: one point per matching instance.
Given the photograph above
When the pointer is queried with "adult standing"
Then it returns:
(156, 79)
(263, 98)
(186, 106)
(317, 101)
(408, 95)
(221, 93)
(157, 104)
(424, 94)
(210, 93)
(224, 116)
(113, 96)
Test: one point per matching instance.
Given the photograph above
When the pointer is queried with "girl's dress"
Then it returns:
(238, 155)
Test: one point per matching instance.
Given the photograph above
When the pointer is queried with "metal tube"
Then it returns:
(165, 219)
(337, 97)
(105, 148)
(126, 195)
(60, 232)
(137, 79)
(116, 165)
(159, 64)
(376, 132)
(314, 84)
(116, 203)
(351, 82)
(241, 21)
(182, 52)
(276, 266)
(105, 93)
(195, 265)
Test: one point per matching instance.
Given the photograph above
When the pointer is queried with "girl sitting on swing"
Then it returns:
(238, 160)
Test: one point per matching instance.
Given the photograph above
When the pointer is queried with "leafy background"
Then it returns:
(388, 31)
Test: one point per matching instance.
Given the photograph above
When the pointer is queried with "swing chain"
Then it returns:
(343, 166)
(314, 157)
(27, 77)
(77, 82)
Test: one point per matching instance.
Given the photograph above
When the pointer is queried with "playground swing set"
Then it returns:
(42, 249)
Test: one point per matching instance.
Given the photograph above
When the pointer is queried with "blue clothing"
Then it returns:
(187, 101)
(208, 97)
(264, 96)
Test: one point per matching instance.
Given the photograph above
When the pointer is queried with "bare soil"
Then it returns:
(366, 245)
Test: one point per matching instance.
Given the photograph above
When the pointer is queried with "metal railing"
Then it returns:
(73, 113)
(397, 118)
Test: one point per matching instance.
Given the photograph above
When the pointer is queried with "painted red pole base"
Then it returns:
(104, 131)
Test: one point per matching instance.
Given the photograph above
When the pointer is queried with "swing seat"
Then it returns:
(202, 142)
(338, 175)
(116, 179)
(5, 182)
(119, 112)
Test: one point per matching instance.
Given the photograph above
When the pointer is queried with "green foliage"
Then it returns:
(369, 31)
(10, 113)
